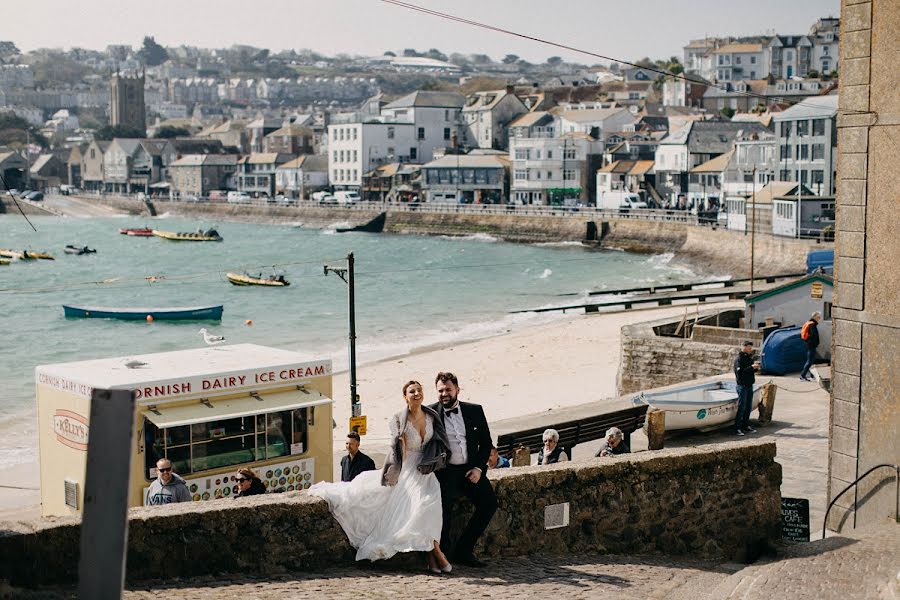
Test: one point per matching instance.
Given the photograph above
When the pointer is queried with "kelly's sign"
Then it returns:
(71, 429)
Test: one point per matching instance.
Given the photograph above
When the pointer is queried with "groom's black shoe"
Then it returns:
(469, 560)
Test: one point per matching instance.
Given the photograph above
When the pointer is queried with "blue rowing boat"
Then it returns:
(190, 313)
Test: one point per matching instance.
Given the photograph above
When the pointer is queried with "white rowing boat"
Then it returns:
(703, 406)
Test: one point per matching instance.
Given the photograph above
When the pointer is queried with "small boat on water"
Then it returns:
(4, 261)
(704, 406)
(25, 254)
(210, 235)
(188, 313)
(79, 250)
(137, 232)
(245, 279)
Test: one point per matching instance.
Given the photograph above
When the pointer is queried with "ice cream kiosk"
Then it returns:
(210, 411)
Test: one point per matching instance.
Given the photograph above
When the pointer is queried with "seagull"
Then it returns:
(135, 364)
(211, 340)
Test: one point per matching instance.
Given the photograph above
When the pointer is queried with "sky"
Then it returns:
(623, 29)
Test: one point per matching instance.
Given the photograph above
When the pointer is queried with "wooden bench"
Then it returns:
(572, 433)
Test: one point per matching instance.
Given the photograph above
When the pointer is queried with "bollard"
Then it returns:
(767, 404)
(521, 457)
(656, 429)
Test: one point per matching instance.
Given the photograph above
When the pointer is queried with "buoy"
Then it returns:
(149, 318)
(249, 322)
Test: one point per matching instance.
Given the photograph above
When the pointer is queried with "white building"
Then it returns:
(356, 148)
(807, 141)
(298, 177)
(740, 61)
(487, 116)
(435, 117)
(595, 122)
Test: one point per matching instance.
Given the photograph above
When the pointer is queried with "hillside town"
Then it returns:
(730, 119)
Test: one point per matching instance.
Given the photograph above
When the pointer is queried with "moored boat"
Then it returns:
(25, 254)
(210, 235)
(186, 313)
(137, 232)
(702, 406)
(70, 249)
(4, 261)
(275, 281)
(784, 351)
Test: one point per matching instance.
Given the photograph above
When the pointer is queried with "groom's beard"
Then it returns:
(448, 403)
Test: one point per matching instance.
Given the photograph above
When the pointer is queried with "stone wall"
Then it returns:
(712, 251)
(648, 360)
(715, 501)
(726, 336)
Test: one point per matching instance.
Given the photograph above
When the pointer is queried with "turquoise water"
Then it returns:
(412, 291)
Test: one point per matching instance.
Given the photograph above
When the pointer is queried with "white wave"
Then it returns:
(664, 262)
(474, 237)
(547, 273)
(559, 244)
(165, 215)
(332, 229)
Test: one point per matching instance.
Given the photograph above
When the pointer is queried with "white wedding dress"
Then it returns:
(381, 521)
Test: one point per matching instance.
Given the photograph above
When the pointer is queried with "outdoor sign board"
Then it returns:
(795, 519)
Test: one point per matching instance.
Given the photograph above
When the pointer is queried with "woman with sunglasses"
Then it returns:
(248, 483)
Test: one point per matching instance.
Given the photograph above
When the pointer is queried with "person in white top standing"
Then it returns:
(470, 446)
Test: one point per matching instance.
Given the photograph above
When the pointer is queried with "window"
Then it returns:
(826, 311)
(737, 60)
(785, 152)
(826, 67)
(413, 153)
(721, 60)
(354, 132)
(549, 174)
(390, 133)
(788, 55)
(354, 153)
(804, 151)
(335, 155)
(817, 177)
(786, 129)
(818, 127)
(93, 153)
(549, 154)
(354, 174)
(570, 154)
(446, 133)
(752, 74)
(818, 151)
(569, 174)
(537, 174)
(224, 442)
(537, 154)
(523, 153)
(421, 133)
(390, 153)
(825, 50)
(752, 60)
(341, 133)
(342, 156)
(786, 175)
(803, 127)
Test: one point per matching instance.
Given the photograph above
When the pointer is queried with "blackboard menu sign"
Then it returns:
(795, 519)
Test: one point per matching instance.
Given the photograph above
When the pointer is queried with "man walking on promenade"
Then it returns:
(744, 368)
(167, 487)
(355, 462)
(465, 475)
(810, 335)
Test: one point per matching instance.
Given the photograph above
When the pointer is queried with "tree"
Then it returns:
(16, 131)
(411, 52)
(152, 54)
(436, 54)
(812, 74)
(727, 112)
(510, 59)
(481, 59)
(389, 53)
(108, 132)
(554, 61)
(168, 132)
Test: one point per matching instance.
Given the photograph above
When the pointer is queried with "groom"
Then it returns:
(465, 475)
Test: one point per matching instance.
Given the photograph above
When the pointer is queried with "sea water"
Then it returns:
(411, 292)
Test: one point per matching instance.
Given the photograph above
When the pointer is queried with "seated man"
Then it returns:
(552, 452)
(495, 461)
(614, 443)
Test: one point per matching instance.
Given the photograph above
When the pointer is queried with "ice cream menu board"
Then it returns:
(281, 477)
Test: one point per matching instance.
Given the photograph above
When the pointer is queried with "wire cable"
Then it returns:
(457, 19)
(16, 202)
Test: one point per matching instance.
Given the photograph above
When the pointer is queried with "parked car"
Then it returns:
(68, 190)
(239, 197)
(347, 198)
(35, 196)
(328, 199)
(318, 196)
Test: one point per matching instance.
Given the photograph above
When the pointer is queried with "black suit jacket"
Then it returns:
(478, 435)
(350, 469)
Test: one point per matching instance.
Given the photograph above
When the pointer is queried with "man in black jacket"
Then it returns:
(744, 368)
(355, 462)
(470, 446)
(812, 342)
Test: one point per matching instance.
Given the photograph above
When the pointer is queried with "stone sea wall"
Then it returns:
(648, 360)
(718, 252)
(716, 501)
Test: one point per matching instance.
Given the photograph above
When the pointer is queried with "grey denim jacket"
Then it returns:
(435, 453)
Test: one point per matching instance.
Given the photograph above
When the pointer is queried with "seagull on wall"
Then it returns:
(211, 340)
(134, 364)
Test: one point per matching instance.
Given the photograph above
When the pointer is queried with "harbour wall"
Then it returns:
(709, 251)
(714, 501)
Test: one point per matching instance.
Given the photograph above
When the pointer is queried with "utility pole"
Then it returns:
(753, 229)
(346, 274)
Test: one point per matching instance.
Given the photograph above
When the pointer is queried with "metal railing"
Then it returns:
(896, 469)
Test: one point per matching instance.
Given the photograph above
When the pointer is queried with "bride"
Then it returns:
(386, 513)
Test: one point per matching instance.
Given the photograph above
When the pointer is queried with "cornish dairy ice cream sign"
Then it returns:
(71, 429)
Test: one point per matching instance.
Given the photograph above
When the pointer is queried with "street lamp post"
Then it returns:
(346, 274)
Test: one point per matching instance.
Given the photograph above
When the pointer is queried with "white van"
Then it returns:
(619, 200)
(239, 197)
(347, 197)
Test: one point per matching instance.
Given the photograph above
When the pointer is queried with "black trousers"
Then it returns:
(453, 485)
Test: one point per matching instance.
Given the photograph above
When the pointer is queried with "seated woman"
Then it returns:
(552, 452)
(613, 443)
(248, 483)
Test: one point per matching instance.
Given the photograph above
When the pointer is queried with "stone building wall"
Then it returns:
(648, 360)
(680, 502)
(865, 409)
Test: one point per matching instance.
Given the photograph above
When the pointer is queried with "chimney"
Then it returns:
(510, 89)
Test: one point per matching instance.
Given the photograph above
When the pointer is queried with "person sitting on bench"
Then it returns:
(613, 443)
(552, 452)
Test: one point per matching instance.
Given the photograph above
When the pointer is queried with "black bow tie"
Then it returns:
(452, 411)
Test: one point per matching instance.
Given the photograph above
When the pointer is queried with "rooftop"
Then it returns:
(420, 99)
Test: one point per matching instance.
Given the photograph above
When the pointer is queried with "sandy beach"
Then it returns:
(524, 372)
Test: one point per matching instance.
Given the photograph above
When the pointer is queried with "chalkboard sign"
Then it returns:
(795, 519)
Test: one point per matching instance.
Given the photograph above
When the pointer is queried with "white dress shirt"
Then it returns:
(456, 435)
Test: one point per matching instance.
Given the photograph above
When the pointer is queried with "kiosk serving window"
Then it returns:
(211, 435)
